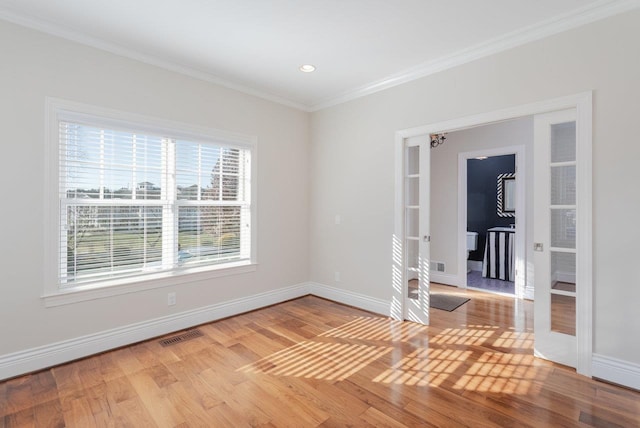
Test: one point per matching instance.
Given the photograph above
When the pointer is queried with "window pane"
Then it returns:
(105, 164)
(118, 194)
(194, 169)
(209, 233)
(103, 241)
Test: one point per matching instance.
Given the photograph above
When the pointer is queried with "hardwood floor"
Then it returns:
(311, 362)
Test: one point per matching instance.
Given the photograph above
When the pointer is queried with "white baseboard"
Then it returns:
(18, 363)
(475, 265)
(33, 359)
(616, 371)
(445, 278)
(358, 300)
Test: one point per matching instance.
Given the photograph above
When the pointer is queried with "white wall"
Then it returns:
(34, 66)
(444, 179)
(352, 161)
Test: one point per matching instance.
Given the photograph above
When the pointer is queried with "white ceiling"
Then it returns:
(256, 46)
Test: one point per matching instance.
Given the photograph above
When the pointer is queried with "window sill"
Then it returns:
(165, 279)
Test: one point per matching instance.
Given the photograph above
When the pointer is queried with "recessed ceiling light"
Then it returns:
(307, 68)
(481, 157)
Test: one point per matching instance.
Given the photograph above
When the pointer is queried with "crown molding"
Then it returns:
(58, 31)
(590, 13)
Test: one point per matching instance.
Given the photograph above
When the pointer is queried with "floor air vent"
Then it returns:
(187, 335)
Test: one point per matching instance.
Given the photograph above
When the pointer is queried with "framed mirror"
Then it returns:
(507, 194)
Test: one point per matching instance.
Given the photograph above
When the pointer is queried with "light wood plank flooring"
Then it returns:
(310, 362)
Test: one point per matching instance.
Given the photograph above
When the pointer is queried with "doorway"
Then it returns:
(491, 223)
(499, 262)
(582, 105)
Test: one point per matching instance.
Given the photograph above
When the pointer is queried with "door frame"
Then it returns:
(521, 283)
(583, 103)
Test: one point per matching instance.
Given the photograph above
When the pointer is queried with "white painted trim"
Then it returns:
(481, 119)
(616, 371)
(582, 102)
(446, 278)
(350, 298)
(150, 282)
(587, 14)
(521, 219)
(584, 226)
(33, 359)
(74, 110)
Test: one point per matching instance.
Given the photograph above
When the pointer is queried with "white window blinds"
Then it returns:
(132, 204)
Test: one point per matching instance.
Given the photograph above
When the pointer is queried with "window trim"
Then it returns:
(58, 109)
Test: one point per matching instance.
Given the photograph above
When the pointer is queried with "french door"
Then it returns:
(416, 229)
(556, 236)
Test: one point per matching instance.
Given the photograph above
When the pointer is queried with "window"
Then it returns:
(139, 202)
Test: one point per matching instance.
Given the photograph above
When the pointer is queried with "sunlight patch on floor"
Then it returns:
(383, 329)
(424, 367)
(511, 340)
(318, 360)
(464, 336)
(499, 373)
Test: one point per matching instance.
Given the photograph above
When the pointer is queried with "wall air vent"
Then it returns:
(182, 337)
(437, 266)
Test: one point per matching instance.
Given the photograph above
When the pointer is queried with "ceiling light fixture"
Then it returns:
(307, 68)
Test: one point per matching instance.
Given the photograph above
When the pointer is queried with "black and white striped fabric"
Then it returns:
(498, 255)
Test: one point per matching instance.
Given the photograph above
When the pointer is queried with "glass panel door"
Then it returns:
(555, 236)
(416, 237)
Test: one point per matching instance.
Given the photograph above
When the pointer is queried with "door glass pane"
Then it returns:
(563, 314)
(412, 222)
(563, 271)
(563, 185)
(413, 289)
(563, 142)
(563, 228)
(412, 259)
(413, 269)
(413, 160)
(413, 191)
